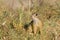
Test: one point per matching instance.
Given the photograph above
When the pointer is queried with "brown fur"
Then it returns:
(37, 24)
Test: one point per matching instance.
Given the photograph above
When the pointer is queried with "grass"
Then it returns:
(16, 19)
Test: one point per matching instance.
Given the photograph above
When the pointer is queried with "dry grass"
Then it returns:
(13, 21)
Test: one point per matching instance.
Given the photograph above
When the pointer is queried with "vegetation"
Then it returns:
(13, 19)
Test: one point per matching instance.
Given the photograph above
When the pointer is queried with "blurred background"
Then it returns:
(14, 14)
